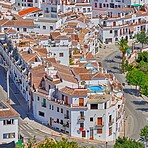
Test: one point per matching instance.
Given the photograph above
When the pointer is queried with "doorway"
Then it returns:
(50, 121)
(91, 134)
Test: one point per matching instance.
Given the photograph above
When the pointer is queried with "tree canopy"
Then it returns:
(136, 77)
(144, 133)
(123, 47)
(64, 143)
(124, 142)
(142, 37)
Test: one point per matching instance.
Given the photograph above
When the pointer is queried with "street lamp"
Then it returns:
(124, 125)
(106, 144)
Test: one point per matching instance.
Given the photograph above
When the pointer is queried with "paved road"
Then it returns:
(136, 108)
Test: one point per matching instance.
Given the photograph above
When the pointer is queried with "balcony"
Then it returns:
(66, 116)
(98, 126)
(115, 34)
(110, 123)
(81, 118)
(43, 104)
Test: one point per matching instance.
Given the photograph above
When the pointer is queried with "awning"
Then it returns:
(136, 5)
(132, 29)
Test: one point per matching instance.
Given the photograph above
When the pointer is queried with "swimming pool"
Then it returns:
(96, 88)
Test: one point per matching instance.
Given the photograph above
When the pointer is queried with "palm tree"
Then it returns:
(123, 48)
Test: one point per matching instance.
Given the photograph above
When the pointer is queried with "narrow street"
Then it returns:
(135, 107)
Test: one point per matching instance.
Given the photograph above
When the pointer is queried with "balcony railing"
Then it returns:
(98, 126)
(43, 105)
(66, 116)
(81, 118)
(111, 123)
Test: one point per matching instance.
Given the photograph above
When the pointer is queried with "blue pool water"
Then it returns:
(96, 88)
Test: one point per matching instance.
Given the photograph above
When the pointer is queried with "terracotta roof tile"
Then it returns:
(9, 112)
(27, 11)
(74, 91)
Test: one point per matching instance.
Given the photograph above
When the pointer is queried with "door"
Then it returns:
(114, 23)
(99, 121)
(91, 134)
(83, 133)
(50, 121)
(66, 100)
(81, 101)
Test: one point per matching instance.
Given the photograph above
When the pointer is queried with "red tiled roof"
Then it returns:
(74, 91)
(27, 11)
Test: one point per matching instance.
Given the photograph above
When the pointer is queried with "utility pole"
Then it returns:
(8, 97)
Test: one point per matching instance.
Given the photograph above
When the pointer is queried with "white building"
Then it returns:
(8, 123)
(110, 4)
(126, 24)
(80, 111)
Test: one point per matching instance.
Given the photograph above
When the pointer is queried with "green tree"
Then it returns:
(144, 87)
(143, 56)
(143, 66)
(142, 37)
(123, 48)
(31, 142)
(124, 142)
(64, 143)
(136, 77)
(144, 133)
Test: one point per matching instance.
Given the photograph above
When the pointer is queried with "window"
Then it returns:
(49, 87)
(49, 106)
(110, 118)
(91, 119)
(88, 9)
(84, 10)
(57, 109)
(99, 131)
(57, 120)
(81, 101)
(110, 131)
(61, 110)
(8, 135)
(52, 107)
(24, 29)
(99, 121)
(61, 122)
(81, 114)
(44, 27)
(82, 125)
(103, 5)
(8, 122)
(61, 54)
(95, 4)
(110, 31)
(18, 29)
(41, 114)
(44, 103)
(51, 27)
(62, 97)
(100, 5)
(93, 106)
(105, 105)
(107, 5)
